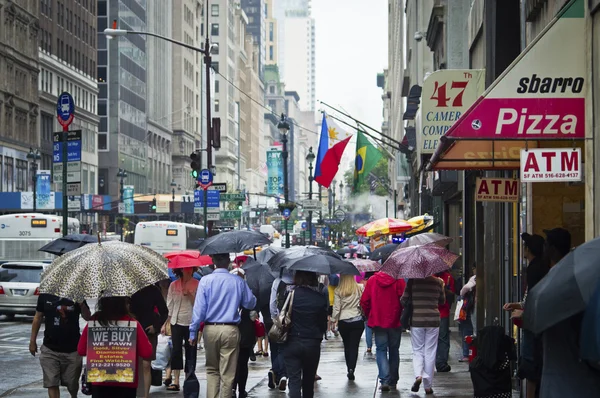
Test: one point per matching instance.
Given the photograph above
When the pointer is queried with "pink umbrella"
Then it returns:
(418, 262)
(365, 265)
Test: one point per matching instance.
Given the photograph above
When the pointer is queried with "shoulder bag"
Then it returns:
(283, 322)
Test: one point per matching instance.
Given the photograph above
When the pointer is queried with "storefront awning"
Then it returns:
(541, 96)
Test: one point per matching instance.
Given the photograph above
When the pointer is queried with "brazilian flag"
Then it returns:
(367, 157)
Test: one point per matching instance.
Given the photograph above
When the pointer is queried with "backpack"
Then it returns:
(282, 293)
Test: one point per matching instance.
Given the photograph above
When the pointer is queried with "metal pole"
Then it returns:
(34, 179)
(122, 191)
(395, 203)
(209, 131)
(206, 229)
(310, 213)
(285, 187)
(65, 207)
(387, 202)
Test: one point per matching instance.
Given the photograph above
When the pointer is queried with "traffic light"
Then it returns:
(240, 205)
(153, 206)
(195, 164)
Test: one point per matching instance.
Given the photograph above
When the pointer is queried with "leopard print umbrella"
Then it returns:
(106, 269)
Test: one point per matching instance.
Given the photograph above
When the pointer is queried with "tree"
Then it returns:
(380, 171)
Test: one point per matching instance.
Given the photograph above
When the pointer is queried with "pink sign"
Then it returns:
(97, 203)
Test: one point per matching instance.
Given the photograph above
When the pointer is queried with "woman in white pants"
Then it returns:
(426, 294)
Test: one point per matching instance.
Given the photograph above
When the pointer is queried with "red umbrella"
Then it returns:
(187, 258)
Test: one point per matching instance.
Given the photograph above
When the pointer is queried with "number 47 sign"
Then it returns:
(446, 95)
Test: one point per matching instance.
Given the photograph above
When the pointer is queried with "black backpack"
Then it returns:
(282, 293)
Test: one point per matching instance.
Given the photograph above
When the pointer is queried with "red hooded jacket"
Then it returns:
(380, 301)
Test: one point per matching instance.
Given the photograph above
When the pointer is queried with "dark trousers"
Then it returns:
(112, 392)
(301, 362)
(180, 336)
(351, 335)
(241, 373)
(443, 348)
(278, 360)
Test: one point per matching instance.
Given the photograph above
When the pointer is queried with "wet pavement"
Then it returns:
(26, 381)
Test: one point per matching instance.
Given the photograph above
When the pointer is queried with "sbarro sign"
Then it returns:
(551, 165)
(497, 190)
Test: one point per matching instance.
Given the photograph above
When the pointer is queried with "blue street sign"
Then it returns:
(205, 178)
(304, 225)
(286, 213)
(65, 109)
(73, 147)
(214, 198)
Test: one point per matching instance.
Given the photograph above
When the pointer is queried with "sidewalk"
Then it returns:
(332, 369)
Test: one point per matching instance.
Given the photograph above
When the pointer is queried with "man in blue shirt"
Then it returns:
(218, 300)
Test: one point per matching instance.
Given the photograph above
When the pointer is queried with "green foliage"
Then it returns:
(380, 170)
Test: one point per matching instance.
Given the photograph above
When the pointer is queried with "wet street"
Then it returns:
(24, 378)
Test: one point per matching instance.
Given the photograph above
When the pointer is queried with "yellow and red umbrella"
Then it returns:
(384, 226)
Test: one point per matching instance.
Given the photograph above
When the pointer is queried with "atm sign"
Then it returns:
(39, 223)
(551, 165)
(497, 190)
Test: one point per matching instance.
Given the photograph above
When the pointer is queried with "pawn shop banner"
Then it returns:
(111, 352)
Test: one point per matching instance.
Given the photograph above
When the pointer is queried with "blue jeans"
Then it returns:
(388, 340)
(277, 360)
(466, 329)
(443, 348)
(368, 335)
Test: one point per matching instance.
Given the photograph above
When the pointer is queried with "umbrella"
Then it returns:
(284, 257)
(345, 250)
(187, 258)
(420, 222)
(565, 290)
(67, 243)
(260, 280)
(590, 330)
(383, 252)
(107, 269)
(267, 253)
(418, 262)
(233, 242)
(365, 265)
(426, 238)
(322, 264)
(384, 226)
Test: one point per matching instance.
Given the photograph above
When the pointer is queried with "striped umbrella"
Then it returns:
(384, 226)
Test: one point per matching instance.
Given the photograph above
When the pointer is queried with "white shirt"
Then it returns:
(181, 306)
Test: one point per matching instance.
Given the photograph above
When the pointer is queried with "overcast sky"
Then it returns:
(351, 48)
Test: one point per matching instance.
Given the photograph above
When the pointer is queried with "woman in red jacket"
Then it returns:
(111, 310)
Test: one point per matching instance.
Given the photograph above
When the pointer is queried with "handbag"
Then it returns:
(407, 310)
(283, 322)
(191, 385)
(86, 388)
(460, 313)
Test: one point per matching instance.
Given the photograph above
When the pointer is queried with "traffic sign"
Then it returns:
(233, 197)
(286, 213)
(213, 216)
(73, 161)
(303, 224)
(65, 109)
(218, 186)
(205, 178)
(212, 198)
(340, 215)
(312, 205)
(331, 221)
(231, 214)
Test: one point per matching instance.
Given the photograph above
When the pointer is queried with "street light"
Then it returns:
(310, 158)
(34, 156)
(341, 192)
(173, 186)
(284, 128)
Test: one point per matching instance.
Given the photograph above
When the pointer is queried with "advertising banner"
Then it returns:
(446, 95)
(97, 203)
(551, 165)
(162, 206)
(128, 203)
(274, 173)
(497, 190)
(45, 198)
(111, 352)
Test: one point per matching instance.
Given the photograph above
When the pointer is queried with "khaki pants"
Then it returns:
(221, 344)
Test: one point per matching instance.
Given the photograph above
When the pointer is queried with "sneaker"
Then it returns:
(336, 333)
(283, 384)
(384, 388)
(271, 377)
(317, 377)
(443, 368)
(464, 359)
(253, 357)
(350, 374)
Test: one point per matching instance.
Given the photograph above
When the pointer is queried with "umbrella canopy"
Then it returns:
(187, 258)
(345, 250)
(384, 226)
(260, 280)
(267, 253)
(427, 238)
(420, 222)
(383, 252)
(68, 243)
(365, 265)
(321, 264)
(233, 242)
(418, 262)
(285, 256)
(590, 330)
(107, 269)
(565, 290)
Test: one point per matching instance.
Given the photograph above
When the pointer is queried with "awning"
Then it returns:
(410, 138)
(412, 103)
(541, 96)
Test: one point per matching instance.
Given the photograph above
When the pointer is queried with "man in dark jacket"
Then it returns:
(148, 306)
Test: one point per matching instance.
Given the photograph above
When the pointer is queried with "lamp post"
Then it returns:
(341, 192)
(284, 128)
(333, 194)
(310, 158)
(122, 174)
(34, 156)
(173, 186)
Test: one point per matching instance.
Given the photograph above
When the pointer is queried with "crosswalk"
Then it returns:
(14, 338)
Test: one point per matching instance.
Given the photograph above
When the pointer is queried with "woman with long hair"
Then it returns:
(110, 311)
(348, 315)
(180, 302)
(309, 323)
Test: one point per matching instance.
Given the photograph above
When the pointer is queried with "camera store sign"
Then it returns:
(551, 165)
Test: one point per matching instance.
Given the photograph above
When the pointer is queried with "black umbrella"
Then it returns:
(383, 252)
(345, 250)
(322, 264)
(68, 243)
(267, 253)
(233, 242)
(297, 252)
(260, 279)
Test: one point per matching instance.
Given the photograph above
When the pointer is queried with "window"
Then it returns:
(214, 10)
(102, 142)
(271, 89)
(8, 174)
(216, 105)
(215, 66)
(21, 175)
(216, 86)
(214, 29)
(270, 53)
(271, 33)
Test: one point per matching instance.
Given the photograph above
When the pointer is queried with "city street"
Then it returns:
(24, 379)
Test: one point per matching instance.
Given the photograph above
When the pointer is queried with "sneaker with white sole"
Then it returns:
(283, 384)
(272, 379)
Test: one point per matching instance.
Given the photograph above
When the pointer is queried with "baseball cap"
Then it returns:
(535, 243)
(560, 238)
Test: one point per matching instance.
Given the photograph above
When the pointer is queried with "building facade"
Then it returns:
(272, 38)
(256, 11)
(20, 36)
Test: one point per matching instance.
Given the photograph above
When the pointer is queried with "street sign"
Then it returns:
(218, 186)
(121, 207)
(65, 109)
(303, 224)
(212, 196)
(73, 142)
(162, 206)
(231, 214)
(340, 215)
(213, 216)
(312, 205)
(286, 213)
(74, 188)
(331, 221)
(205, 178)
(74, 203)
(233, 197)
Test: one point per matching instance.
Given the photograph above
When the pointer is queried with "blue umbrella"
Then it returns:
(590, 329)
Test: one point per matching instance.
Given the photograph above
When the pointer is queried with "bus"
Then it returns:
(22, 235)
(167, 236)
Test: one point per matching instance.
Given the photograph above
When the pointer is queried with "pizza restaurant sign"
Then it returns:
(497, 190)
(551, 165)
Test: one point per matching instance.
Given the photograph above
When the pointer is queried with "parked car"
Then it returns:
(19, 287)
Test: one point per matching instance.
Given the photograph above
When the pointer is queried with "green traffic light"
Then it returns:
(240, 207)
(194, 173)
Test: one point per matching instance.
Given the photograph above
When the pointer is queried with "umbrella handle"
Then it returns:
(254, 250)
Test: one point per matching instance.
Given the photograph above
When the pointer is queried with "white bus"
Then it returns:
(166, 236)
(21, 235)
